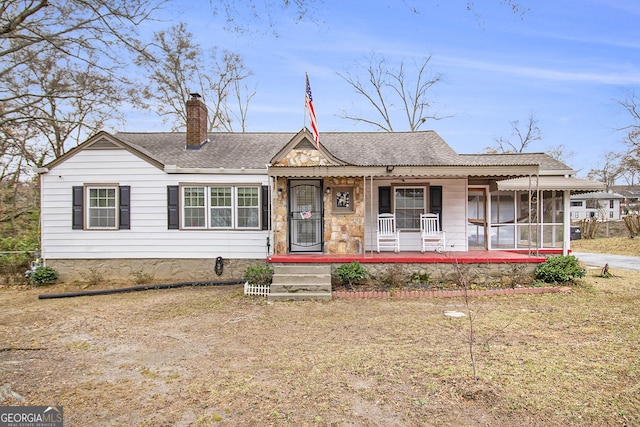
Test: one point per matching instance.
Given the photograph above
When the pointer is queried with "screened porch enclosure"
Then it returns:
(523, 220)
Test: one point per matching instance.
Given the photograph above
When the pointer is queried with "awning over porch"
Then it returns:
(550, 183)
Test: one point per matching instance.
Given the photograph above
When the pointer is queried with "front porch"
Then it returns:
(468, 257)
(308, 275)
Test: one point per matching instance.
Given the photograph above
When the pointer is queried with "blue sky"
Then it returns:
(566, 62)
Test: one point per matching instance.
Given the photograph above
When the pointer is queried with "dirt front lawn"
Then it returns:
(211, 356)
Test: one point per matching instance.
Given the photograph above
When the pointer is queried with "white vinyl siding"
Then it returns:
(148, 236)
(453, 213)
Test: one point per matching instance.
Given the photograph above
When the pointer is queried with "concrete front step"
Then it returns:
(300, 287)
(305, 296)
(286, 279)
(301, 268)
(295, 282)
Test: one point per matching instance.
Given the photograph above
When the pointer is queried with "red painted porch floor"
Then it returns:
(474, 256)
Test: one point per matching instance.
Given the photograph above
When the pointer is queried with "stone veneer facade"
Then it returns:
(343, 231)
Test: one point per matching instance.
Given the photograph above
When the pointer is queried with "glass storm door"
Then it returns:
(305, 216)
(476, 223)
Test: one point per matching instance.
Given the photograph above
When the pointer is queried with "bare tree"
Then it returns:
(390, 90)
(560, 153)
(631, 103)
(521, 137)
(77, 99)
(85, 31)
(610, 171)
(60, 75)
(176, 66)
(239, 15)
(630, 167)
(629, 161)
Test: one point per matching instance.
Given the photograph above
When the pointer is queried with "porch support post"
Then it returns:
(273, 183)
(363, 249)
(566, 225)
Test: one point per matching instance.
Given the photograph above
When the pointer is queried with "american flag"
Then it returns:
(312, 114)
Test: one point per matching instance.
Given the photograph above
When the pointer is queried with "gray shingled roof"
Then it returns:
(597, 195)
(545, 161)
(384, 148)
(254, 150)
(227, 150)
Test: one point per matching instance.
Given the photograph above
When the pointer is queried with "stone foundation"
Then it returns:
(158, 270)
(480, 274)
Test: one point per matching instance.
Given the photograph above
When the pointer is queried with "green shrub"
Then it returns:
(351, 274)
(258, 274)
(43, 276)
(559, 269)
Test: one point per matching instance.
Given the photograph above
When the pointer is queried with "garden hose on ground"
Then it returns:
(141, 288)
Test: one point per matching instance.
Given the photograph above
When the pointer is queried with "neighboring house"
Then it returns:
(175, 202)
(630, 203)
(601, 205)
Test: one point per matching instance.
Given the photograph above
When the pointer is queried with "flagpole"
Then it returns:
(313, 121)
(304, 107)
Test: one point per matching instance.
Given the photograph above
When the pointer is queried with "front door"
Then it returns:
(477, 223)
(305, 216)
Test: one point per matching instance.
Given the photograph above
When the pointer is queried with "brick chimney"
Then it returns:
(197, 122)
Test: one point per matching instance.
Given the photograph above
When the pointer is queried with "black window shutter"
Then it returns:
(384, 200)
(435, 200)
(173, 207)
(265, 207)
(125, 207)
(77, 217)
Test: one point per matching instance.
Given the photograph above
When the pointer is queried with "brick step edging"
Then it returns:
(447, 294)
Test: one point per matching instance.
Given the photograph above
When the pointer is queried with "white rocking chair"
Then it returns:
(388, 236)
(430, 234)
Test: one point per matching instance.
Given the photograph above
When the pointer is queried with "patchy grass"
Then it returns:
(210, 356)
(609, 245)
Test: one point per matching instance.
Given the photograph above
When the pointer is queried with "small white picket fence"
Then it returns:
(261, 290)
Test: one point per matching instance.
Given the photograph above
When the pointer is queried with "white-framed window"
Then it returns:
(409, 203)
(221, 207)
(102, 207)
(193, 207)
(248, 207)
